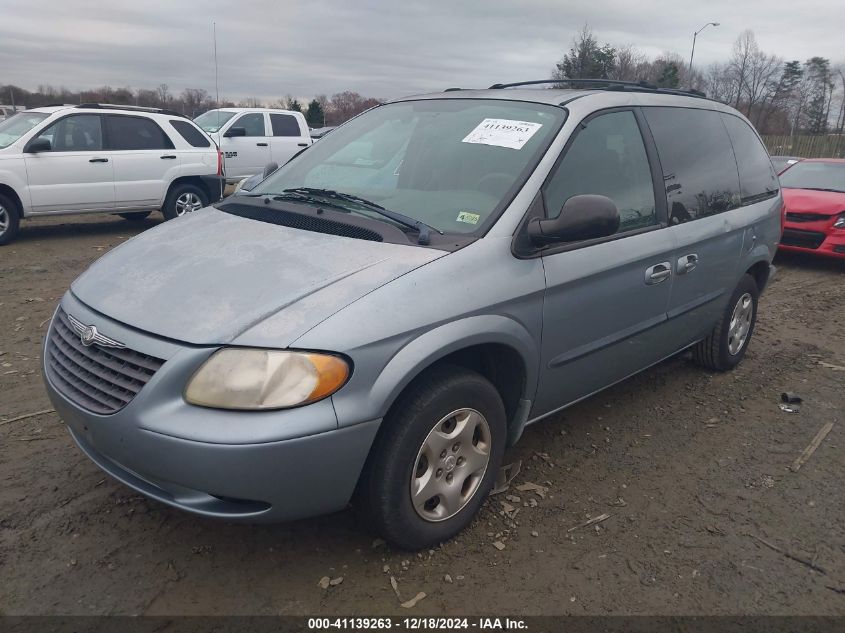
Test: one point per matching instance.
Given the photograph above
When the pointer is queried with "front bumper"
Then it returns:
(238, 465)
(819, 238)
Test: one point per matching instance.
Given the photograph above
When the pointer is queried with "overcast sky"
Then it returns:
(381, 48)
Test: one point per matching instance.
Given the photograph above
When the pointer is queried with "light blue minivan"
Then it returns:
(379, 319)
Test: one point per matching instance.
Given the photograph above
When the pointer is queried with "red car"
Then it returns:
(814, 197)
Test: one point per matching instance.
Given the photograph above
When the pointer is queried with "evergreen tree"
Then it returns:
(315, 116)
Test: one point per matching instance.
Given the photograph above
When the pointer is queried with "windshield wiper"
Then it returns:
(400, 218)
(823, 189)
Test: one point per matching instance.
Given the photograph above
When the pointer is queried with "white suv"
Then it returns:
(94, 158)
(251, 138)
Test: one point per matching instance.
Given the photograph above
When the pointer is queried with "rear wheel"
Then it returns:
(182, 199)
(435, 460)
(9, 220)
(725, 346)
(135, 217)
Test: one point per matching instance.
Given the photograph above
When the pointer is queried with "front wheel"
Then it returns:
(9, 220)
(435, 460)
(183, 199)
(725, 346)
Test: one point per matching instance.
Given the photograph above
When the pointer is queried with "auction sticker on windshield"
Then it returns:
(503, 133)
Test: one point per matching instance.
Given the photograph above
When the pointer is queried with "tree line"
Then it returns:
(780, 97)
(321, 111)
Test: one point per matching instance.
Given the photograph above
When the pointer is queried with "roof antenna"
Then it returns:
(216, 83)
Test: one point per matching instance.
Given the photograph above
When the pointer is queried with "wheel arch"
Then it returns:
(189, 180)
(8, 191)
(760, 272)
(497, 347)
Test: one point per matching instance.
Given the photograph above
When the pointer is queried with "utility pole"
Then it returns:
(692, 53)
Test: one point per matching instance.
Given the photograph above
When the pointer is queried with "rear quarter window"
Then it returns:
(699, 170)
(284, 125)
(191, 133)
(757, 179)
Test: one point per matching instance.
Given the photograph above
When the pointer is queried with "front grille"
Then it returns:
(802, 239)
(100, 379)
(806, 217)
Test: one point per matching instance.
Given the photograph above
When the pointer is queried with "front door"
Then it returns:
(606, 300)
(76, 174)
(246, 155)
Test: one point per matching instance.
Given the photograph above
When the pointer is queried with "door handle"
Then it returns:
(658, 273)
(687, 263)
(168, 157)
(261, 144)
(302, 144)
(99, 160)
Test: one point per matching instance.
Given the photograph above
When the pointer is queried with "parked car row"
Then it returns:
(379, 318)
(94, 158)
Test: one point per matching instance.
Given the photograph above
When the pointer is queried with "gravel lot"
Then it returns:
(691, 466)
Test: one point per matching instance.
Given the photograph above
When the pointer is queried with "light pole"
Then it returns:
(695, 35)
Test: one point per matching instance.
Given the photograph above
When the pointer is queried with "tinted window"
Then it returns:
(698, 164)
(607, 158)
(128, 132)
(252, 123)
(284, 125)
(76, 133)
(757, 179)
(191, 134)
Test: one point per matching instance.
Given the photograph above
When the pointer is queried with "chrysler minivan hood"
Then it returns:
(208, 277)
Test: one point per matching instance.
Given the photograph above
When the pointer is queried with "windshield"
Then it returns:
(213, 120)
(812, 175)
(16, 126)
(450, 163)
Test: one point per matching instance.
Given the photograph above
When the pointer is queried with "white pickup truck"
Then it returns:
(250, 138)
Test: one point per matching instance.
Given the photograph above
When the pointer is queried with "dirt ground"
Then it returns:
(691, 466)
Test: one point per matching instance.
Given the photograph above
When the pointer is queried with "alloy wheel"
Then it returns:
(187, 203)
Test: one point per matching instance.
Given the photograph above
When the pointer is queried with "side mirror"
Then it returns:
(235, 131)
(39, 144)
(269, 168)
(583, 217)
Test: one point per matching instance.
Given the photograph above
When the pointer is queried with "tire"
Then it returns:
(9, 220)
(438, 412)
(138, 216)
(725, 347)
(182, 199)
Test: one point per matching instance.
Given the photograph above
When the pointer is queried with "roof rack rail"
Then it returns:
(607, 84)
(113, 106)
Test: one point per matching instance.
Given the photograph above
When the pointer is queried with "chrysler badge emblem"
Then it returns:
(88, 335)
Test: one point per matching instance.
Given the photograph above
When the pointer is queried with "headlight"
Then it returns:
(244, 378)
(840, 221)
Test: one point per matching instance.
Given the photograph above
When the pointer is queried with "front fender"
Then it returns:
(372, 392)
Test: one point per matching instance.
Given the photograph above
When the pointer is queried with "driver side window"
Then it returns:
(607, 158)
(253, 124)
(76, 133)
